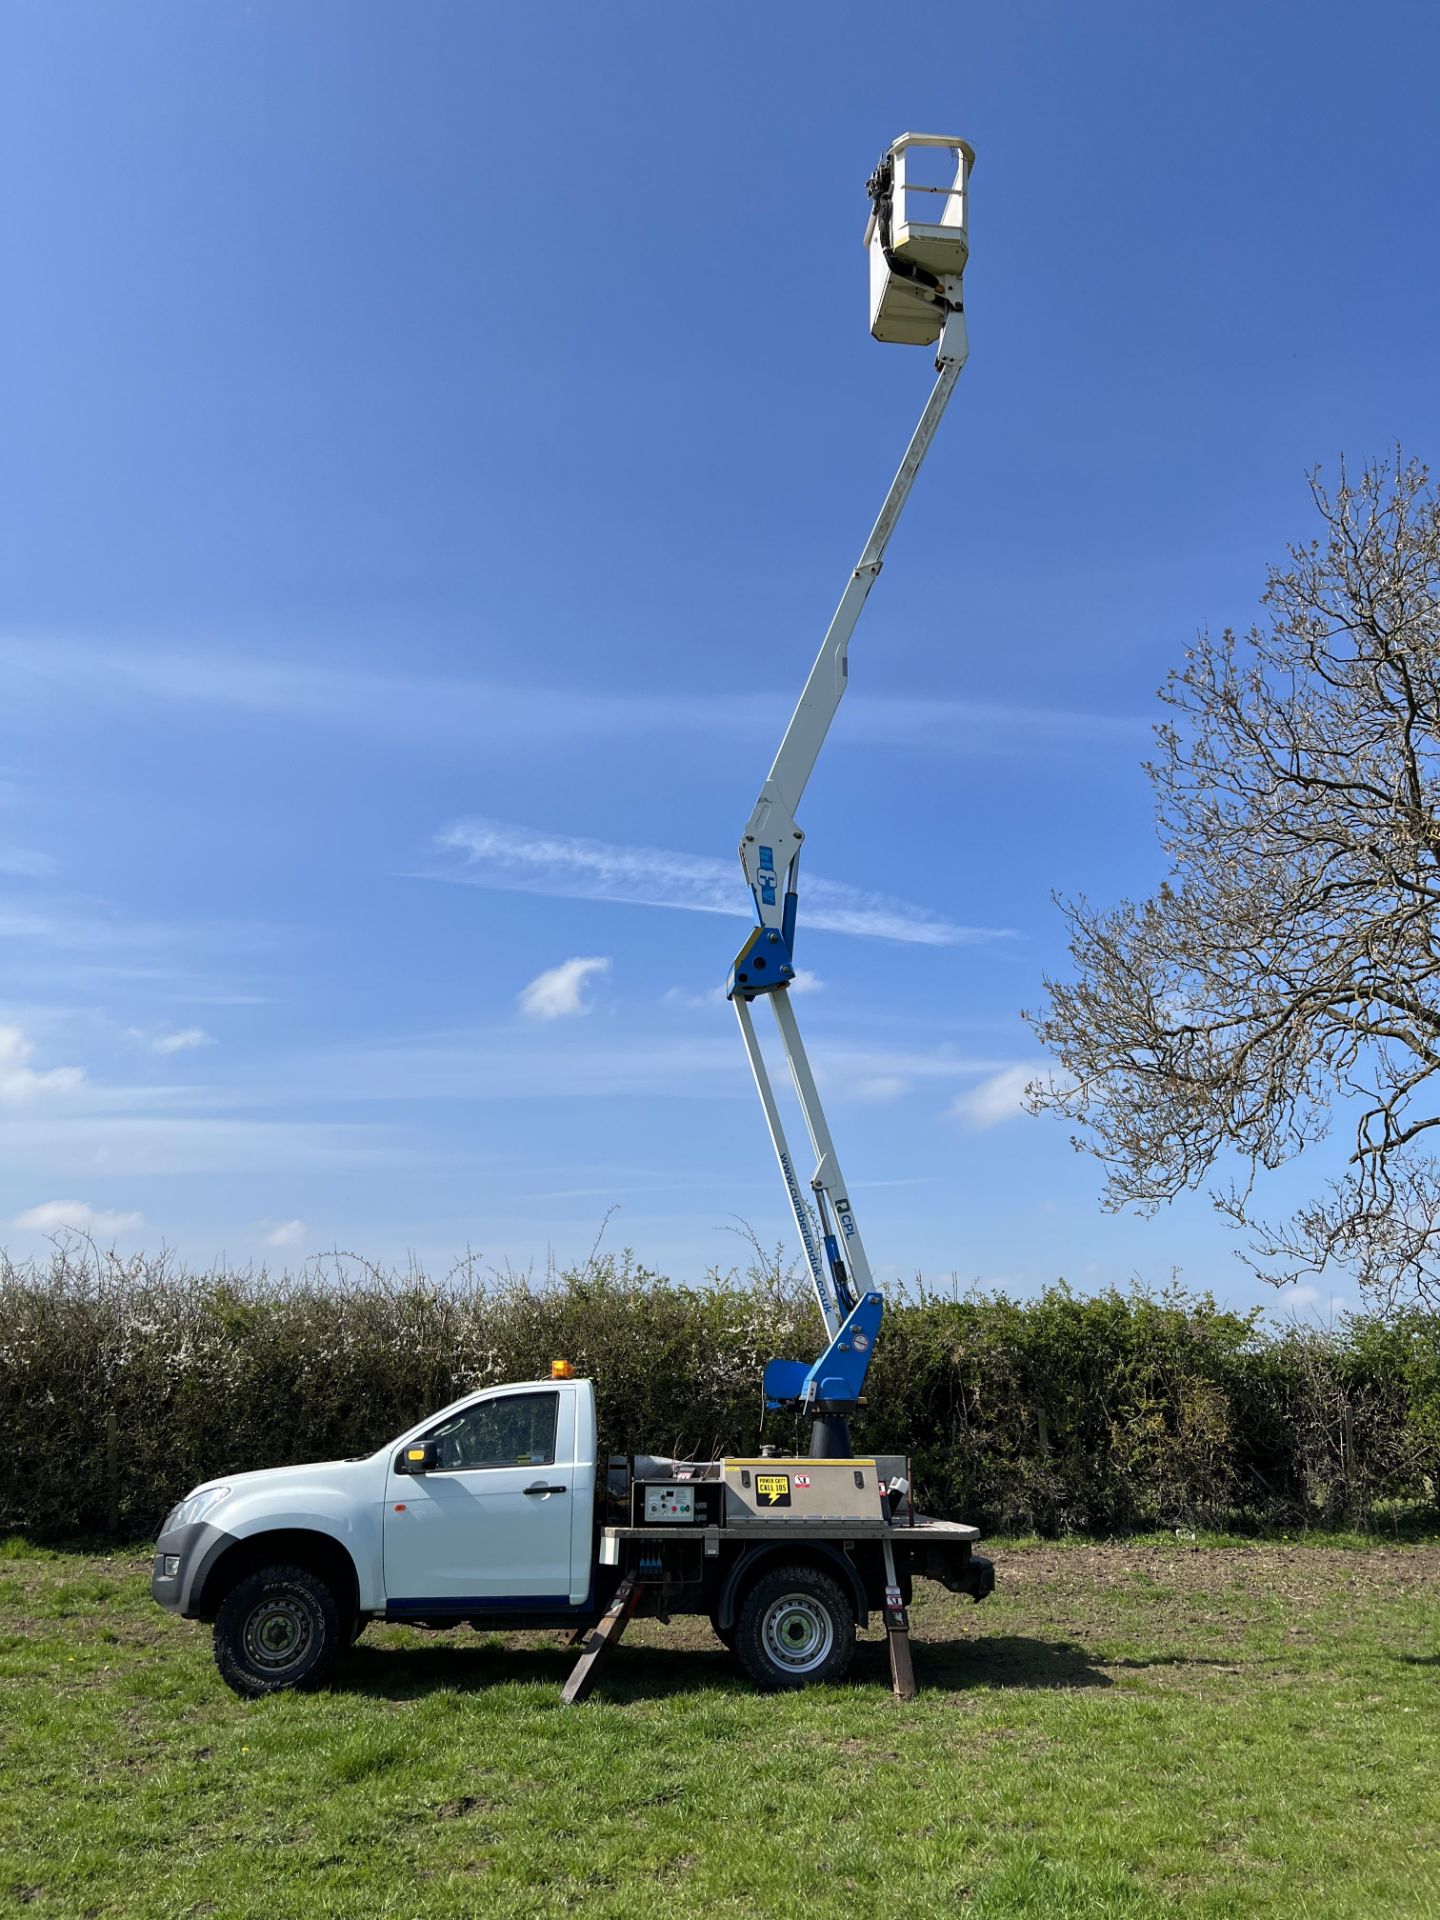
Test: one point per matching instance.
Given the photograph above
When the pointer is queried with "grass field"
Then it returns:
(1126, 1730)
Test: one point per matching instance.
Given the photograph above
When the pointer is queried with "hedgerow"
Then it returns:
(124, 1381)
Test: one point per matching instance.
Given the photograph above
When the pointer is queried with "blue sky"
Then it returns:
(435, 439)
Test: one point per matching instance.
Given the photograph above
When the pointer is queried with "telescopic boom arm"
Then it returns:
(918, 305)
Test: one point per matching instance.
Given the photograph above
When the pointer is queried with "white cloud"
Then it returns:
(1322, 1300)
(682, 997)
(25, 862)
(432, 706)
(55, 1216)
(20, 1082)
(560, 991)
(980, 726)
(999, 1097)
(519, 859)
(193, 1143)
(182, 1041)
(75, 946)
(486, 1065)
(284, 1233)
(86, 929)
(422, 706)
(881, 1087)
(804, 982)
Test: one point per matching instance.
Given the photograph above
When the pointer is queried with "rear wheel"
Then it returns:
(278, 1628)
(795, 1627)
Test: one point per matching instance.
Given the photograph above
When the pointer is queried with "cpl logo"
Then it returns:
(846, 1218)
(767, 876)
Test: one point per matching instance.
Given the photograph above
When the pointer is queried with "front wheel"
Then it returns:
(795, 1627)
(277, 1628)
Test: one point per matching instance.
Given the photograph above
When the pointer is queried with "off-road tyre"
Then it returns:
(795, 1628)
(279, 1628)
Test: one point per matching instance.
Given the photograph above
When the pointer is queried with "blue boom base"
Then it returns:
(835, 1382)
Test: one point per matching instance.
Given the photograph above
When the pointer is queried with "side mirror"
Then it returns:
(419, 1457)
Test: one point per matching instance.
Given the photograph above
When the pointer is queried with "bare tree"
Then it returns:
(1285, 978)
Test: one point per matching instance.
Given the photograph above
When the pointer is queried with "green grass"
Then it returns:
(1128, 1730)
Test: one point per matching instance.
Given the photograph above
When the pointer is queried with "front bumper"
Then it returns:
(183, 1558)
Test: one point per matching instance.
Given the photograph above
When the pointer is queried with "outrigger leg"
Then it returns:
(602, 1641)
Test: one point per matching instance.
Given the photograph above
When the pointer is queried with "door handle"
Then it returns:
(540, 1487)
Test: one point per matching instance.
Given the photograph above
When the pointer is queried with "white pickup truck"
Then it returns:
(495, 1513)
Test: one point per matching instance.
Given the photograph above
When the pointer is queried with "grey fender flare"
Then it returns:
(197, 1546)
(210, 1552)
(781, 1552)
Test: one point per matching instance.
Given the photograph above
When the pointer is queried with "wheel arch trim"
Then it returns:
(229, 1559)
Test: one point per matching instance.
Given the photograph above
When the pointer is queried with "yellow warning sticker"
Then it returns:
(773, 1489)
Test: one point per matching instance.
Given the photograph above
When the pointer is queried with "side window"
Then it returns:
(516, 1430)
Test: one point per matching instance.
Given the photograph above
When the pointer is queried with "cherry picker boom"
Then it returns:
(916, 270)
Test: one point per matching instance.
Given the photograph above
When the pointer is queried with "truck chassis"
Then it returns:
(719, 1570)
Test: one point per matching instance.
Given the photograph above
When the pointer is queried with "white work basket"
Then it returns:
(917, 236)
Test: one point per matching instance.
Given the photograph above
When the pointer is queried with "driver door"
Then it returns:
(490, 1523)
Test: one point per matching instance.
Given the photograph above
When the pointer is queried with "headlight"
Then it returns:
(195, 1506)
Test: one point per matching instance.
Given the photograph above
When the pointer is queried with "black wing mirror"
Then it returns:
(421, 1456)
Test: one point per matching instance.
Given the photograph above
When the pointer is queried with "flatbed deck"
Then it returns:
(821, 1526)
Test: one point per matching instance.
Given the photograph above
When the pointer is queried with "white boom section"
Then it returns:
(804, 1219)
(772, 824)
(769, 852)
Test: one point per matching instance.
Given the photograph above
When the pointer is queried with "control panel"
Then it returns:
(669, 1503)
(676, 1503)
